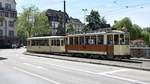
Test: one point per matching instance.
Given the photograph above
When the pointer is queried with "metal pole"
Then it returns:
(65, 17)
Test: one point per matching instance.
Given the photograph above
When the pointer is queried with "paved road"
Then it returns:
(24, 69)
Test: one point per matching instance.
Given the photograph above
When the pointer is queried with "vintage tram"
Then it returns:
(114, 44)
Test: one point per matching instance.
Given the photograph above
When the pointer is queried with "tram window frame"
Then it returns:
(52, 42)
(76, 40)
(87, 38)
(122, 39)
(110, 41)
(45, 42)
(62, 42)
(94, 40)
(101, 39)
(70, 40)
(33, 43)
(116, 40)
(57, 42)
(81, 40)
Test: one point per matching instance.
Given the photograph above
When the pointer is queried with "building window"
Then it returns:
(1, 13)
(11, 24)
(6, 14)
(1, 32)
(1, 23)
(7, 6)
(11, 33)
(0, 4)
(13, 15)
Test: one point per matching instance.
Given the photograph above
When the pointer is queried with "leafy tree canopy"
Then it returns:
(39, 26)
(95, 21)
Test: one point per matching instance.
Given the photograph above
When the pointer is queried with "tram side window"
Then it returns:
(76, 41)
(87, 40)
(57, 42)
(101, 39)
(62, 42)
(93, 40)
(110, 39)
(46, 42)
(122, 40)
(81, 40)
(52, 42)
(43, 42)
(116, 39)
(33, 43)
(71, 41)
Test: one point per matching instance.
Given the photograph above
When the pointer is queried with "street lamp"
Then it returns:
(84, 10)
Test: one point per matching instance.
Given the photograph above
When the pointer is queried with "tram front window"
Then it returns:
(116, 39)
(124, 39)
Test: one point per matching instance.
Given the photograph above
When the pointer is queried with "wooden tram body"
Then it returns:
(113, 44)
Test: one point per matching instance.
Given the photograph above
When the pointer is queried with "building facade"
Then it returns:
(57, 19)
(77, 25)
(8, 15)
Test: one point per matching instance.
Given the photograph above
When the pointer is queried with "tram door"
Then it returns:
(109, 45)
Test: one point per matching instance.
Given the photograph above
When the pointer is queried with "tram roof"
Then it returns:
(100, 33)
(46, 37)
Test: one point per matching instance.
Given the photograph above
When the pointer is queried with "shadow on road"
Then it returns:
(1, 58)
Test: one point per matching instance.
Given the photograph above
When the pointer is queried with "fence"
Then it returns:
(140, 52)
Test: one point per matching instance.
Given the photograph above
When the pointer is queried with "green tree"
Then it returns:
(85, 29)
(26, 29)
(134, 29)
(125, 22)
(70, 28)
(95, 21)
(146, 36)
(41, 25)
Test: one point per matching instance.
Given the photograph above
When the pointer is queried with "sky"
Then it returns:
(137, 10)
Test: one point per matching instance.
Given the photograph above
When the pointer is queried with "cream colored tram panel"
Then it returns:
(121, 50)
(42, 49)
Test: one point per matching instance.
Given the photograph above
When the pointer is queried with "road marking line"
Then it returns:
(70, 68)
(103, 73)
(39, 67)
(115, 71)
(36, 75)
(125, 79)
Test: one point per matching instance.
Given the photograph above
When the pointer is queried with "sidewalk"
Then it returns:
(144, 65)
